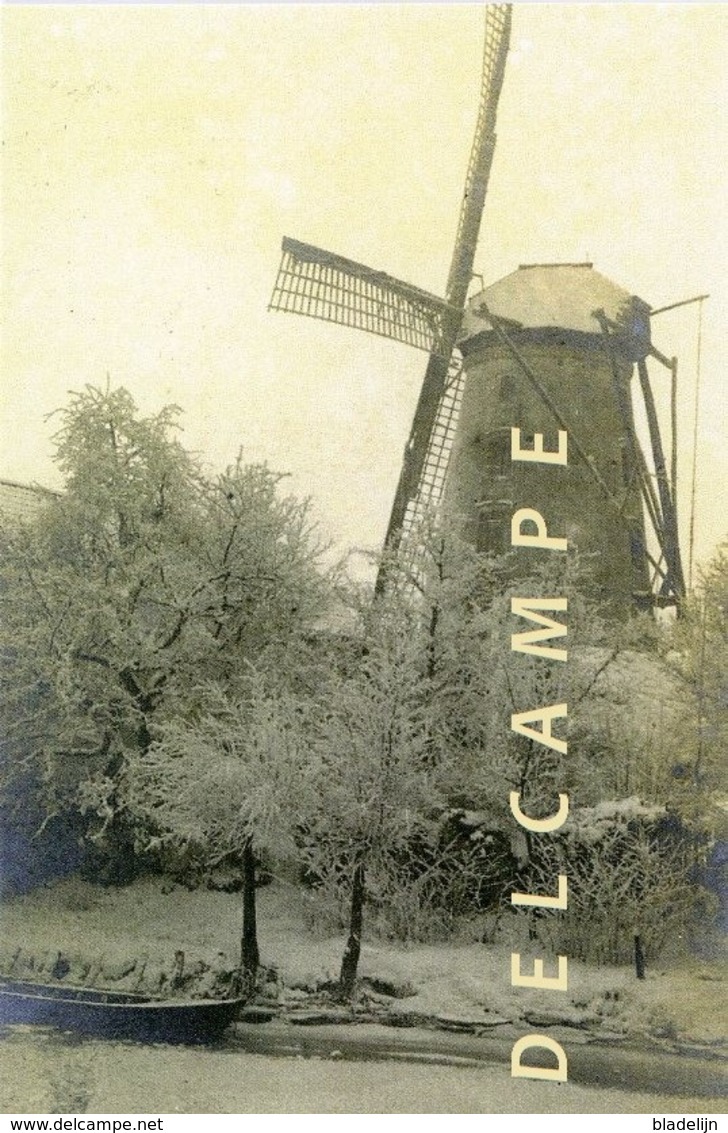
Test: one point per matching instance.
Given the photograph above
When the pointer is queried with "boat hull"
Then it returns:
(116, 1015)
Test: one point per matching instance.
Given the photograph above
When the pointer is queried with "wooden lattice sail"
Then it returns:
(329, 287)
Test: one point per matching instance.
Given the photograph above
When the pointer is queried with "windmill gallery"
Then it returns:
(543, 355)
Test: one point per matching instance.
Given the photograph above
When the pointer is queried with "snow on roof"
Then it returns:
(21, 501)
(550, 295)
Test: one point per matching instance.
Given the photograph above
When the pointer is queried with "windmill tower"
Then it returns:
(467, 395)
(553, 346)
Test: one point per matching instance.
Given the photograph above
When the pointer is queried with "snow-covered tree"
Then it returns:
(702, 659)
(144, 578)
(230, 783)
(370, 784)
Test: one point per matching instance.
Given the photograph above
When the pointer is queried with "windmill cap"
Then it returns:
(564, 296)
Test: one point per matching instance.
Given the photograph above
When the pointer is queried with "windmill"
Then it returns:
(327, 286)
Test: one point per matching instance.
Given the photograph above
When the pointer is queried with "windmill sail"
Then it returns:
(433, 408)
(431, 482)
(326, 286)
(497, 38)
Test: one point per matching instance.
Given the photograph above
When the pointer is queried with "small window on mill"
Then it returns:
(497, 452)
(493, 528)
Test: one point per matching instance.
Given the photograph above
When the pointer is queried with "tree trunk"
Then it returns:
(639, 958)
(350, 961)
(249, 954)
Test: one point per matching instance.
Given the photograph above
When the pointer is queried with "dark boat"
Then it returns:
(116, 1014)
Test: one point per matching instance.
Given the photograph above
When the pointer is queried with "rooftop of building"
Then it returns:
(21, 501)
(563, 295)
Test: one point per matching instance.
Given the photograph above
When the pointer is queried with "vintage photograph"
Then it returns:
(364, 559)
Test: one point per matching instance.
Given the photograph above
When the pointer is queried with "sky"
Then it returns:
(154, 156)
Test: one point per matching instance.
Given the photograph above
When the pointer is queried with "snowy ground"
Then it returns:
(128, 937)
(45, 1072)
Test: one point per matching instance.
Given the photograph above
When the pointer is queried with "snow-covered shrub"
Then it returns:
(630, 870)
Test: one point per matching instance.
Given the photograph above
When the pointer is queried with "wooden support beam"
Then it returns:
(673, 433)
(655, 353)
(672, 546)
(651, 501)
(630, 459)
(545, 396)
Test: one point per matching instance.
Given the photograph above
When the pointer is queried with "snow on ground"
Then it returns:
(50, 1073)
(129, 936)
